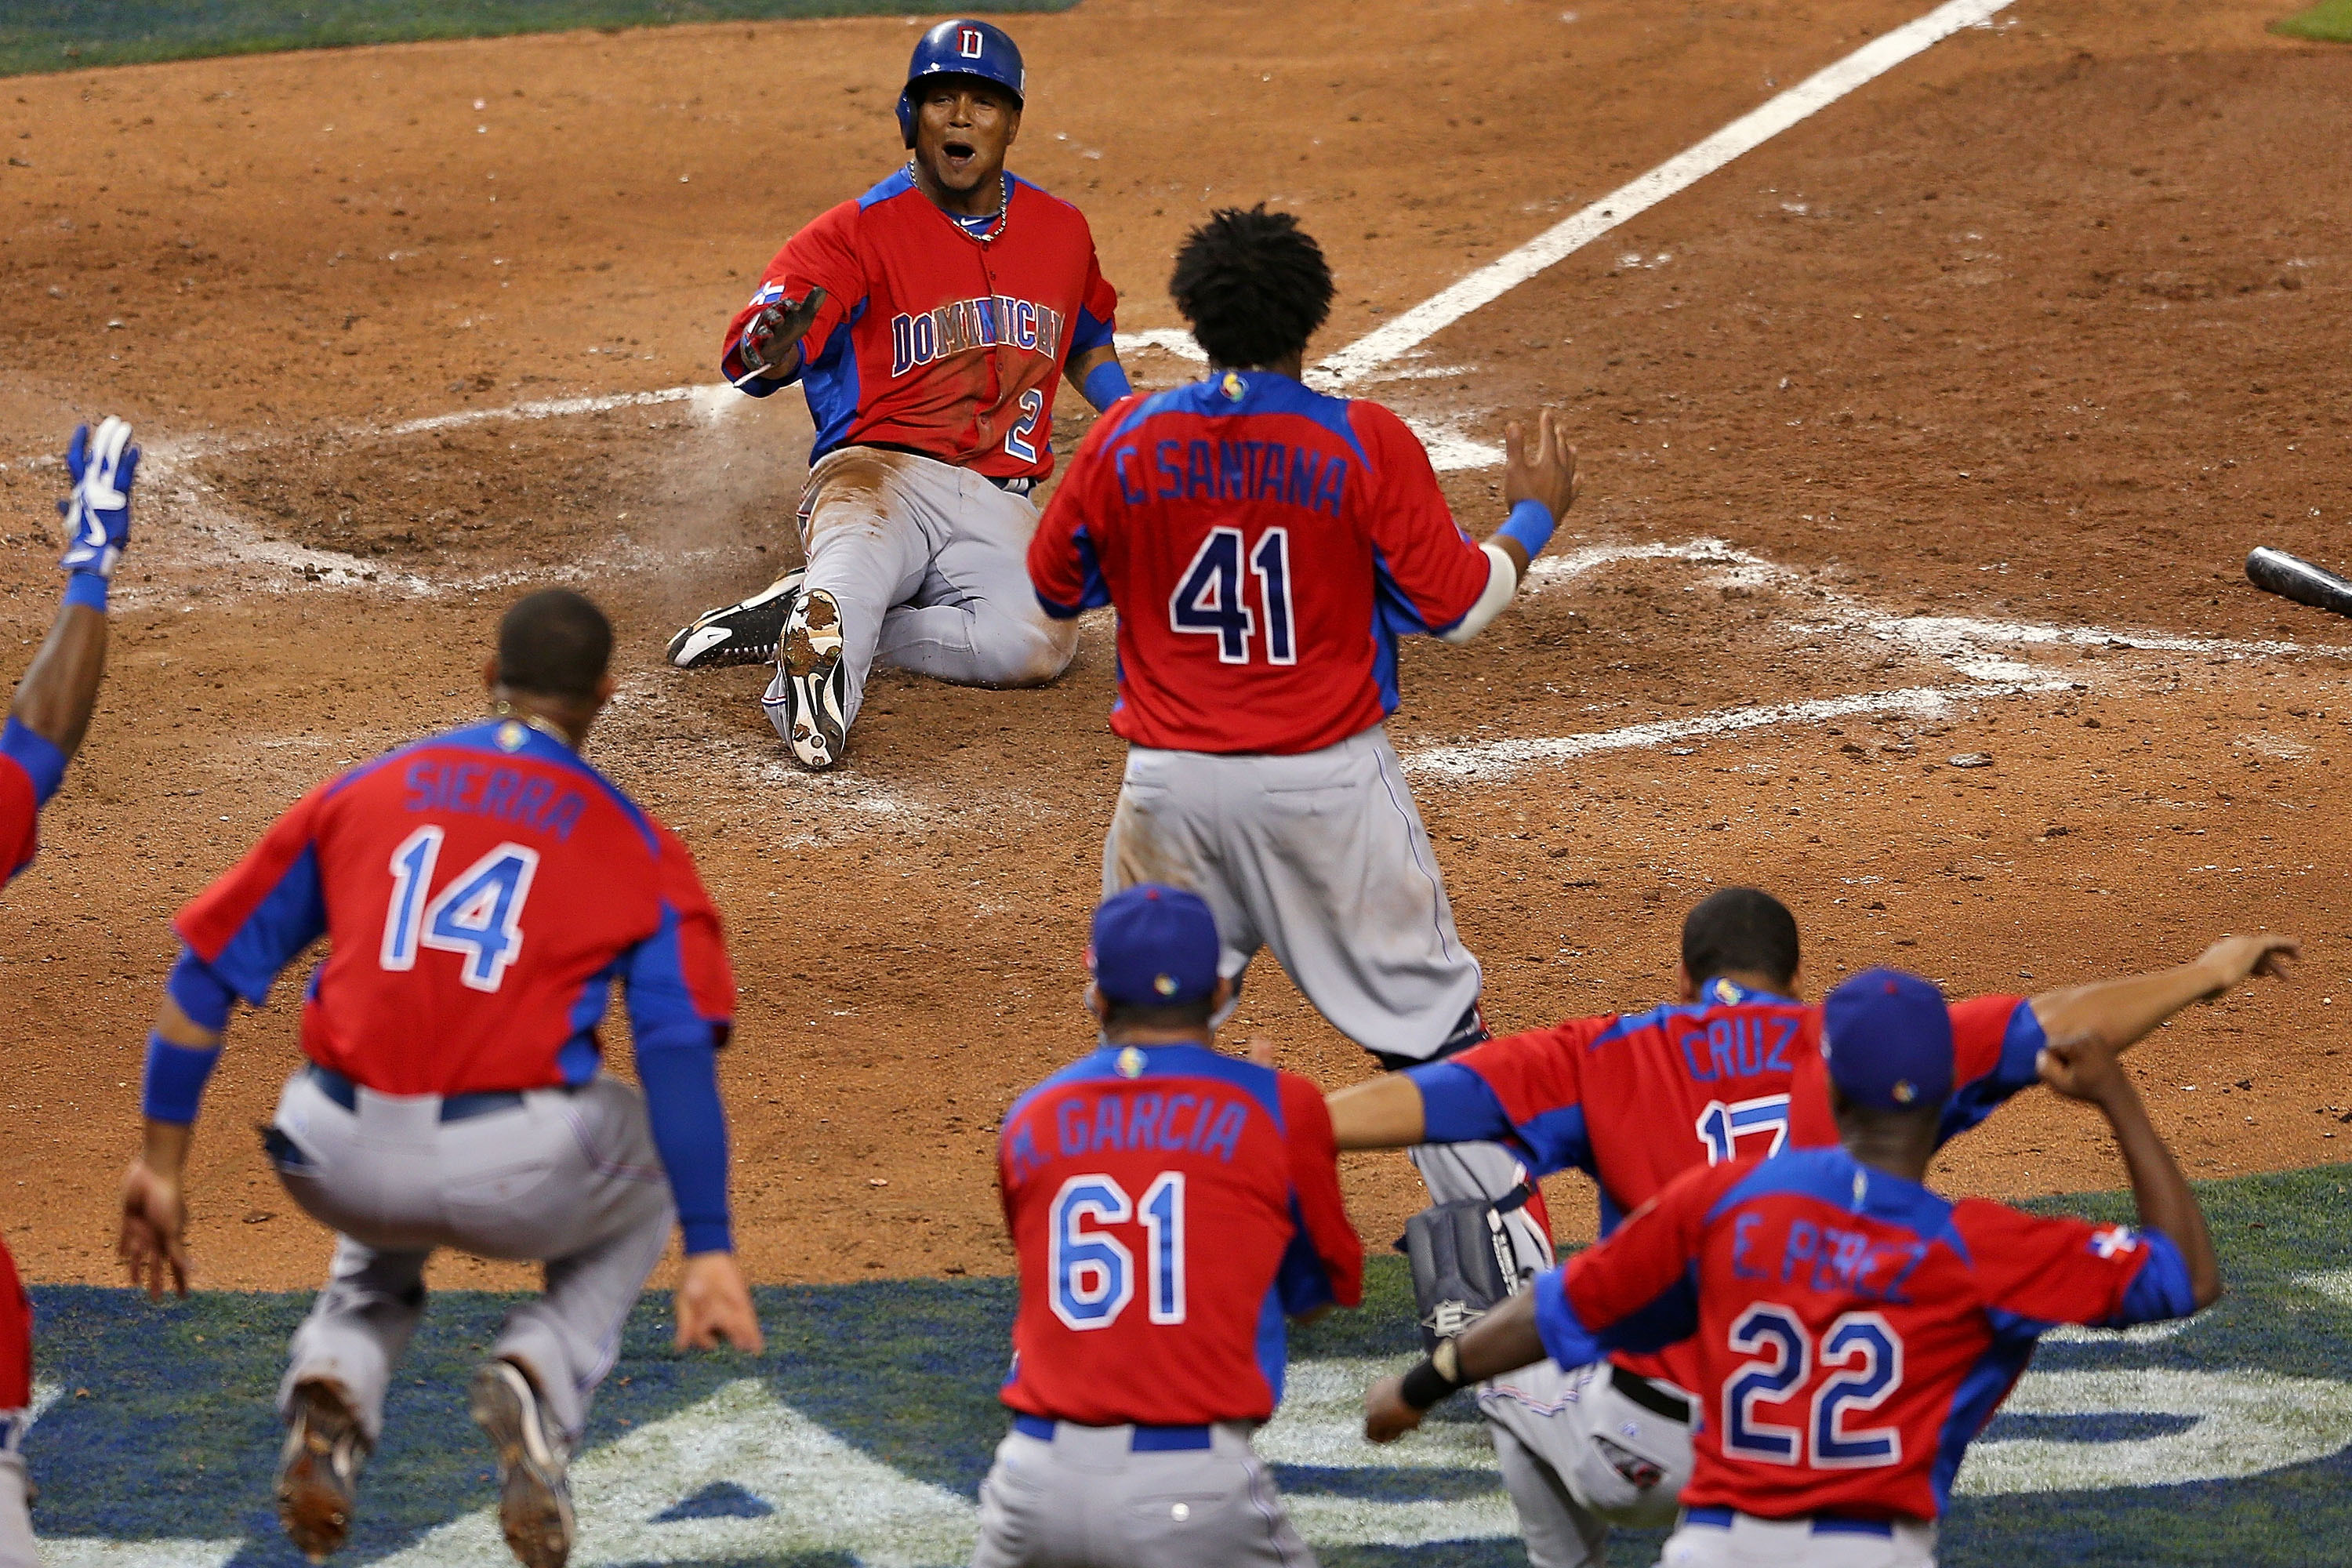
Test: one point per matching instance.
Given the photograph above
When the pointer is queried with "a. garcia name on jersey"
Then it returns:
(962, 325)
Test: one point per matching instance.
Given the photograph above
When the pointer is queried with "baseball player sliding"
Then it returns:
(1171, 1205)
(1265, 546)
(482, 892)
(931, 322)
(1850, 1330)
(1732, 1069)
(44, 729)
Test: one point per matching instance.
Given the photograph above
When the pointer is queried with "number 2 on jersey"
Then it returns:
(1208, 598)
(1016, 441)
(1094, 1272)
(478, 915)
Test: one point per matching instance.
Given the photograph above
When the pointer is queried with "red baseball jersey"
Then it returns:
(483, 891)
(1853, 1331)
(20, 819)
(16, 1342)
(1636, 1101)
(1169, 1206)
(1266, 546)
(933, 339)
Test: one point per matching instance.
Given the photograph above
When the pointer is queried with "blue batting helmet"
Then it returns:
(962, 47)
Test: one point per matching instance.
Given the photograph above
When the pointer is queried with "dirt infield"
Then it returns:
(1940, 425)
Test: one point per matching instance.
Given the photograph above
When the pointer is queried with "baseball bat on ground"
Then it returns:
(2299, 580)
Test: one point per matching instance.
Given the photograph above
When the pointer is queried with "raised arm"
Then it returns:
(2085, 1069)
(51, 711)
(1539, 487)
(2121, 1012)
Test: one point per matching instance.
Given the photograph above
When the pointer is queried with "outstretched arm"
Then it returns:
(1384, 1113)
(2120, 1012)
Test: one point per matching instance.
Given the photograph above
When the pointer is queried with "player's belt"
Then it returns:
(1822, 1523)
(1657, 1401)
(454, 1107)
(1010, 487)
(1146, 1439)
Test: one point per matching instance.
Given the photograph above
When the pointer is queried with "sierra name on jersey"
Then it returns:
(497, 845)
(933, 339)
(1283, 601)
(1110, 1169)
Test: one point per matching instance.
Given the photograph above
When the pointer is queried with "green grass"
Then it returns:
(2330, 22)
(74, 35)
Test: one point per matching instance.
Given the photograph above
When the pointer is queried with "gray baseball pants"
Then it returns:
(929, 564)
(1322, 858)
(567, 1178)
(16, 1547)
(1564, 1442)
(1750, 1542)
(1084, 1500)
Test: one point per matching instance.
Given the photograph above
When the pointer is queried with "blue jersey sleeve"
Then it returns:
(1303, 1282)
(2160, 1290)
(2014, 1068)
(288, 918)
(1459, 1106)
(676, 1051)
(38, 755)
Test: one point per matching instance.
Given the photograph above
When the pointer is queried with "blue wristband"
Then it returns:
(42, 759)
(1530, 524)
(1105, 384)
(175, 1081)
(86, 589)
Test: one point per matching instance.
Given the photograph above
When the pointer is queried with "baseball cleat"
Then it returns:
(534, 1498)
(744, 633)
(812, 683)
(319, 1470)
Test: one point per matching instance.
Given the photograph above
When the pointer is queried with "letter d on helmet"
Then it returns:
(962, 47)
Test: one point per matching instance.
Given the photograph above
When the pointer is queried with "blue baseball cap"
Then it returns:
(1887, 1038)
(1154, 946)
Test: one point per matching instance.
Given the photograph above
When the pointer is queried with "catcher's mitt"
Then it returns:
(1462, 1264)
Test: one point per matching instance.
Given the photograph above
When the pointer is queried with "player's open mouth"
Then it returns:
(958, 153)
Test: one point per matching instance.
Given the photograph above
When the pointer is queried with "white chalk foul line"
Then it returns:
(1959, 641)
(1951, 638)
(1484, 759)
(1677, 173)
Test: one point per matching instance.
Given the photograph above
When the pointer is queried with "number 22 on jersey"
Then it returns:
(1093, 1272)
(477, 914)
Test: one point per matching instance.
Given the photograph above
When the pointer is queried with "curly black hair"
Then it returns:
(1253, 285)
